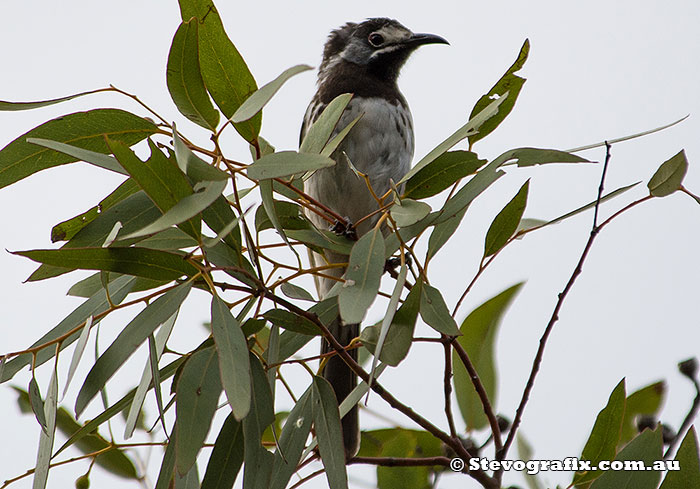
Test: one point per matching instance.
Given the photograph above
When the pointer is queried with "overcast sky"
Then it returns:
(597, 70)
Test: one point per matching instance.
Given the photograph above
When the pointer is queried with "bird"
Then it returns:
(363, 59)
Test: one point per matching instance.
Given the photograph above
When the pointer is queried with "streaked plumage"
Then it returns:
(363, 59)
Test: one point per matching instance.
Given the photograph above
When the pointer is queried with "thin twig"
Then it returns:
(448, 387)
(686, 422)
(595, 229)
(402, 462)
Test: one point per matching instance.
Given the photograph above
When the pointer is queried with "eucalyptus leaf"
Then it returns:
(287, 163)
(669, 177)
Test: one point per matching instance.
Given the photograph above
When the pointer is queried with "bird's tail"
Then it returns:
(343, 380)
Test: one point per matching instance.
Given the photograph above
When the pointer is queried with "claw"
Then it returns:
(345, 229)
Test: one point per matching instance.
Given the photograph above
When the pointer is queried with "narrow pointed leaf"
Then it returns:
(187, 208)
(67, 229)
(536, 156)
(362, 277)
(443, 232)
(400, 334)
(258, 460)
(86, 130)
(267, 196)
(224, 71)
(93, 157)
(687, 456)
(131, 337)
(141, 262)
(262, 95)
(197, 394)
(506, 222)
(314, 138)
(14, 106)
(147, 376)
(669, 177)
(37, 404)
(645, 448)
(466, 130)
(333, 144)
(602, 442)
(291, 441)
(78, 352)
(162, 180)
(329, 433)
(192, 165)
(479, 335)
(234, 366)
(287, 163)
(434, 311)
(46, 439)
(184, 78)
(226, 457)
(510, 84)
(295, 292)
(442, 172)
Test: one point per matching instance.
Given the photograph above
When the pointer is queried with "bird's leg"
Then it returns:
(393, 263)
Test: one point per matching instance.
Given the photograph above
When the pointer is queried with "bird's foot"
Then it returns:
(393, 263)
(345, 228)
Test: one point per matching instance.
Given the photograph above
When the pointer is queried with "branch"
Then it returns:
(688, 418)
(448, 387)
(402, 462)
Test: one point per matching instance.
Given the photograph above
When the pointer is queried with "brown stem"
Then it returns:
(402, 462)
(448, 387)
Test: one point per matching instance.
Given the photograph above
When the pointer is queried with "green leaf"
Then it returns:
(443, 232)
(262, 96)
(224, 71)
(402, 443)
(86, 130)
(185, 210)
(467, 129)
(167, 466)
(470, 191)
(687, 457)
(46, 437)
(292, 322)
(602, 442)
(131, 337)
(95, 305)
(400, 334)
(646, 401)
(37, 404)
(67, 229)
(442, 172)
(409, 212)
(15, 106)
(258, 460)
(329, 433)
(141, 262)
(295, 292)
(267, 196)
(147, 377)
(316, 137)
(289, 215)
(506, 222)
(645, 448)
(479, 333)
(192, 165)
(509, 83)
(226, 457)
(162, 181)
(291, 441)
(197, 394)
(287, 163)
(434, 311)
(525, 452)
(234, 366)
(536, 156)
(322, 239)
(362, 277)
(333, 144)
(93, 157)
(184, 78)
(669, 177)
(590, 205)
(78, 353)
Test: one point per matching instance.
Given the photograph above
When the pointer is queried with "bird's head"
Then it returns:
(380, 45)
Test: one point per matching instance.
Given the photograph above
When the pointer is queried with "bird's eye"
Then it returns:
(375, 39)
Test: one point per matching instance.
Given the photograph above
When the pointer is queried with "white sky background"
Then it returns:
(597, 70)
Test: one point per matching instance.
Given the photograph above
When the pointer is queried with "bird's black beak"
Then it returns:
(419, 39)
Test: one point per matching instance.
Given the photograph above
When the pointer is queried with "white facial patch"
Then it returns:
(358, 51)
